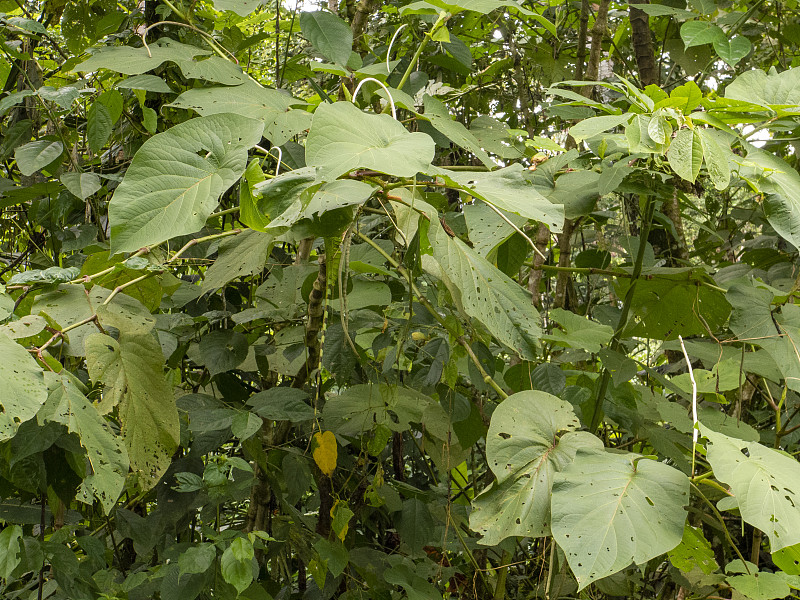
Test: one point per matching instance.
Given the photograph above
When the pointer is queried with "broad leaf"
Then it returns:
(716, 154)
(436, 112)
(242, 255)
(37, 155)
(250, 100)
(363, 407)
(732, 50)
(771, 89)
(698, 33)
(685, 154)
(236, 564)
(282, 404)
(531, 437)
(593, 126)
(177, 177)
(135, 61)
(81, 185)
(509, 190)
(764, 483)
(610, 510)
(23, 386)
(132, 371)
(240, 7)
(107, 456)
(484, 292)
(579, 332)
(328, 34)
(99, 126)
(694, 551)
(343, 138)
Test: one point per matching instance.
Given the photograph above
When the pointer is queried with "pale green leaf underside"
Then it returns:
(177, 177)
(135, 61)
(685, 154)
(610, 510)
(530, 438)
(764, 483)
(343, 138)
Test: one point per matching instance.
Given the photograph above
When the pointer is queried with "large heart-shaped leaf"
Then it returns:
(343, 138)
(764, 482)
(732, 50)
(484, 292)
(771, 89)
(532, 436)
(610, 510)
(177, 177)
(698, 33)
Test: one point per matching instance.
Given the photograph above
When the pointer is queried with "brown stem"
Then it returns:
(536, 272)
(316, 314)
(596, 51)
(564, 278)
(643, 44)
(582, 32)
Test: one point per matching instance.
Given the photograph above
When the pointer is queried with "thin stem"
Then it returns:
(695, 424)
(443, 16)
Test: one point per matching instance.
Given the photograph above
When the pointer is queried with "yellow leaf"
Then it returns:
(325, 452)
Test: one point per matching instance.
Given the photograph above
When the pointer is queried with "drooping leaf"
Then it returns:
(282, 404)
(242, 255)
(325, 452)
(436, 112)
(531, 437)
(484, 292)
(170, 189)
(240, 7)
(593, 126)
(24, 389)
(685, 154)
(716, 156)
(764, 483)
(99, 126)
(694, 551)
(107, 456)
(611, 510)
(363, 407)
(343, 138)
(131, 369)
(10, 539)
(579, 332)
(788, 559)
(149, 83)
(37, 155)
(329, 34)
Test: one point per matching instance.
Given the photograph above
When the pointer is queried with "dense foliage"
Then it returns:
(431, 299)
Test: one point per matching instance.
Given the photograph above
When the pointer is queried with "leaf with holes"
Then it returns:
(177, 177)
(532, 436)
(24, 390)
(611, 510)
(764, 482)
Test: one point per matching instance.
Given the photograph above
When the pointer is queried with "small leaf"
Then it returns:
(593, 126)
(36, 155)
(328, 34)
(81, 185)
(699, 33)
(325, 452)
(732, 50)
(99, 126)
(685, 154)
(236, 564)
(9, 550)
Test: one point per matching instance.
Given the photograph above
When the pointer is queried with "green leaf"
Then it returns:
(214, 69)
(416, 525)
(698, 33)
(531, 437)
(222, 350)
(253, 101)
(239, 256)
(693, 552)
(36, 155)
(509, 190)
(593, 126)
(771, 89)
(732, 50)
(716, 156)
(685, 154)
(197, 559)
(760, 586)
(436, 112)
(364, 407)
(135, 61)
(484, 292)
(132, 372)
(330, 35)
(579, 332)
(240, 7)
(9, 550)
(686, 97)
(613, 509)
(775, 177)
(343, 138)
(764, 482)
(170, 189)
(236, 564)
(81, 185)
(107, 456)
(24, 390)
(788, 559)
(149, 83)
(282, 404)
